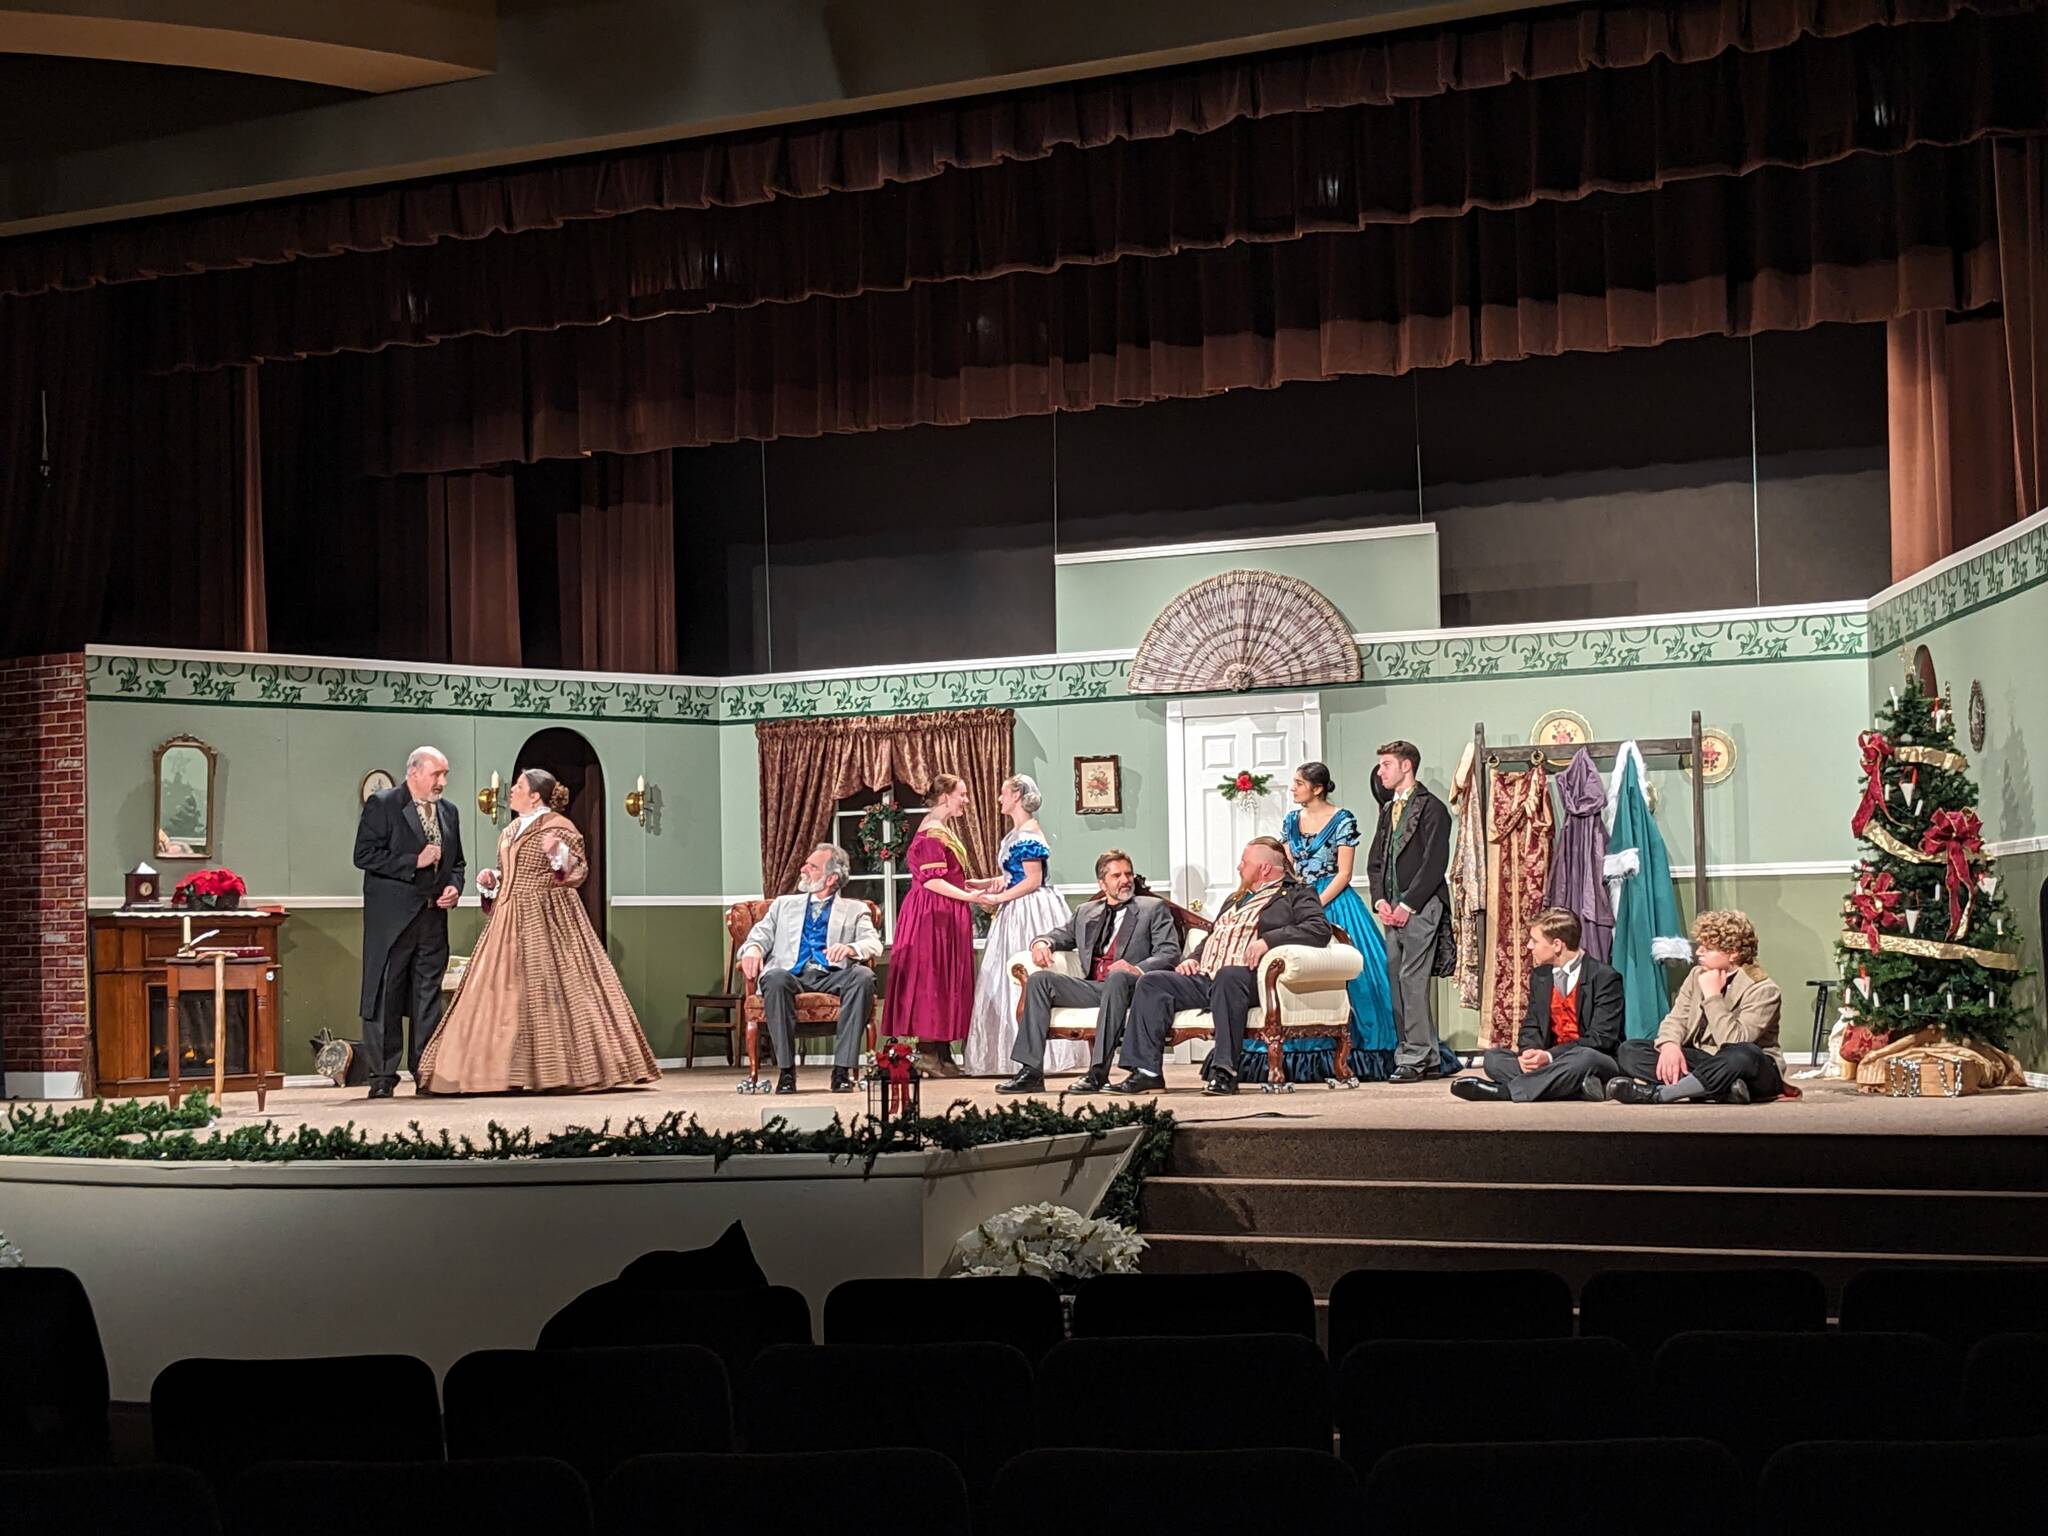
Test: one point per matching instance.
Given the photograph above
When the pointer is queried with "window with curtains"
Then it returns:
(883, 881)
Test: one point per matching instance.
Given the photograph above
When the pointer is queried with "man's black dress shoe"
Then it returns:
(842, 1079)
(1480, 1090)
(1139, 1082)
(1025, 1081)
(1094, 1080)
(383, 1091)
(1738, 1093)
(1590, 1087)
(1220, 1083)
(785, 1080)
(1626, 1090)
(1411, 1072)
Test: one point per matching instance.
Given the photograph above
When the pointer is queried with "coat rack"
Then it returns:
(1685, 750)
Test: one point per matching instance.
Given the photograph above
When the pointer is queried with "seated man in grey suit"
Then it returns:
(1573, 1028)
(815, 941)
(1119, 936)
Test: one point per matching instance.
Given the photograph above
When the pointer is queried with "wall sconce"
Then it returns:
(636, 801)
(487, 800)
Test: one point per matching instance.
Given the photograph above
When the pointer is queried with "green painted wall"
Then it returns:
(662, 954)
(1380, 585)
(286, 795)
(1999, 646)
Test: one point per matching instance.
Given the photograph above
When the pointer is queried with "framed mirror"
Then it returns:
(183, 774)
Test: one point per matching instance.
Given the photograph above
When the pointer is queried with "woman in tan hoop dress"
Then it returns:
(540, 1007)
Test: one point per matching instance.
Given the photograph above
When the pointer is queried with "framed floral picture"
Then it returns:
(1098, 787)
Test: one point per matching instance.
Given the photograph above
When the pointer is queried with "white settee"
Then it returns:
(1301, 995)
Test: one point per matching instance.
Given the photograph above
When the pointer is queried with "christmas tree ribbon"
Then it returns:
(1933, 757)
(1876, 748)
(1875, 903)
(1931, 949)
(1954, 836)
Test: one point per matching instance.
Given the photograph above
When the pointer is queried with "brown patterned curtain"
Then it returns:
(809, 766)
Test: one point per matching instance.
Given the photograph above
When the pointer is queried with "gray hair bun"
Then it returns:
(1027, 792)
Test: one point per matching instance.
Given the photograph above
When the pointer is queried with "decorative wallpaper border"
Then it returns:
(1546, 653)
(2018, 562)
(150, 679)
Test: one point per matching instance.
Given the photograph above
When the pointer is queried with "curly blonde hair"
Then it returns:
(1730, 931)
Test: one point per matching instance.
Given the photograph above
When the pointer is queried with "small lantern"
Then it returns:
(893, 1083)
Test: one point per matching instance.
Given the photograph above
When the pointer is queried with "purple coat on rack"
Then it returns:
(1578, 864)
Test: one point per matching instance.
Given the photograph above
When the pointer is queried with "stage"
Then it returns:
(709, 1093)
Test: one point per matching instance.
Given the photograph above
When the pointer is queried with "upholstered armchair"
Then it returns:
(817, 1013)
(1301, 994)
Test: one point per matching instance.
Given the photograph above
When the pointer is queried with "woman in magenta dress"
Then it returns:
(930, 994)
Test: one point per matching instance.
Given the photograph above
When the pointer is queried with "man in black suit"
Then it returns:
(1270, 907)
(409, 848)
(1411, 850)
(1568, 1040)
(1119, 936)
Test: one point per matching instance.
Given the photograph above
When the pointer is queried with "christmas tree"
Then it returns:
(1927, 940)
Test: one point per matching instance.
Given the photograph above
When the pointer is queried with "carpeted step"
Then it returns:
(1676, 1216)
(1323, 1261)
(1730, 1154)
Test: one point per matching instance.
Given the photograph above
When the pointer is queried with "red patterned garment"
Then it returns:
(1564, 1015)
(1519, 827)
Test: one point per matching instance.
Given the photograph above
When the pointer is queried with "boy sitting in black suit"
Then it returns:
(1567, 1044)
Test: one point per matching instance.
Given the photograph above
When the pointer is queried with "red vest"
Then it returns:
(1564, 1013)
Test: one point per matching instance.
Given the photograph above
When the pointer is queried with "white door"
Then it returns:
(1209, 740)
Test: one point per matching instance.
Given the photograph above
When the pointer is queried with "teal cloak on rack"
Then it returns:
(1648, 933)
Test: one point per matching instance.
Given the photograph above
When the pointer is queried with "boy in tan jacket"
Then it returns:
(1719, 1042)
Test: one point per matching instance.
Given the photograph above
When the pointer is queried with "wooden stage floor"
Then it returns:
(710, 1094)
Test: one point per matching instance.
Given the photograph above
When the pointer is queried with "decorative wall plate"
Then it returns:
(375, 782)
(1976, 716)
(1561, 728)
(1717, 755)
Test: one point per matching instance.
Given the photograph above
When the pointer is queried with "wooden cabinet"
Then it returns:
(135, 1028)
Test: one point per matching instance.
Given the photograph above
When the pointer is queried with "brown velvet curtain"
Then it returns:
(446, 569)
(253, 602)
(863, 153)
(1867, 238)
(1969, 393)
(1883, 90)
(59, 362)
(482, 566)
(809, 766)
(616, 567)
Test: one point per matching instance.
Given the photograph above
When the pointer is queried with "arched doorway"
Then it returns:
(570, 758)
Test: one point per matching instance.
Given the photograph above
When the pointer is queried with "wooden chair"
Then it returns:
(726, 1000)
(1301, 994)
(816, 1012)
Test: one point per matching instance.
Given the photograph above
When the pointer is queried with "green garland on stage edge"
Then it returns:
(883, 833)
(134, 1131)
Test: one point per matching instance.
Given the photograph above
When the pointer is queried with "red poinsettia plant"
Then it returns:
(209, 888)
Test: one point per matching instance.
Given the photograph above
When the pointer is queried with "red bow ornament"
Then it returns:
(1876, 905)
(894, 1061)
(1877, 748)
(1956, 836)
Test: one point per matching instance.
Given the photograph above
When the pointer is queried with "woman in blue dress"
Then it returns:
(1323, 838)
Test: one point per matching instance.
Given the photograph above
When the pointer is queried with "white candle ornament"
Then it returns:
(1988, 884)
(1912, 919)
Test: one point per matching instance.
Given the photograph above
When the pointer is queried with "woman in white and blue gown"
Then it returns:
(1025, 907)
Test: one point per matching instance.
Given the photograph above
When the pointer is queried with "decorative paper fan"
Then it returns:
(1242, 630)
